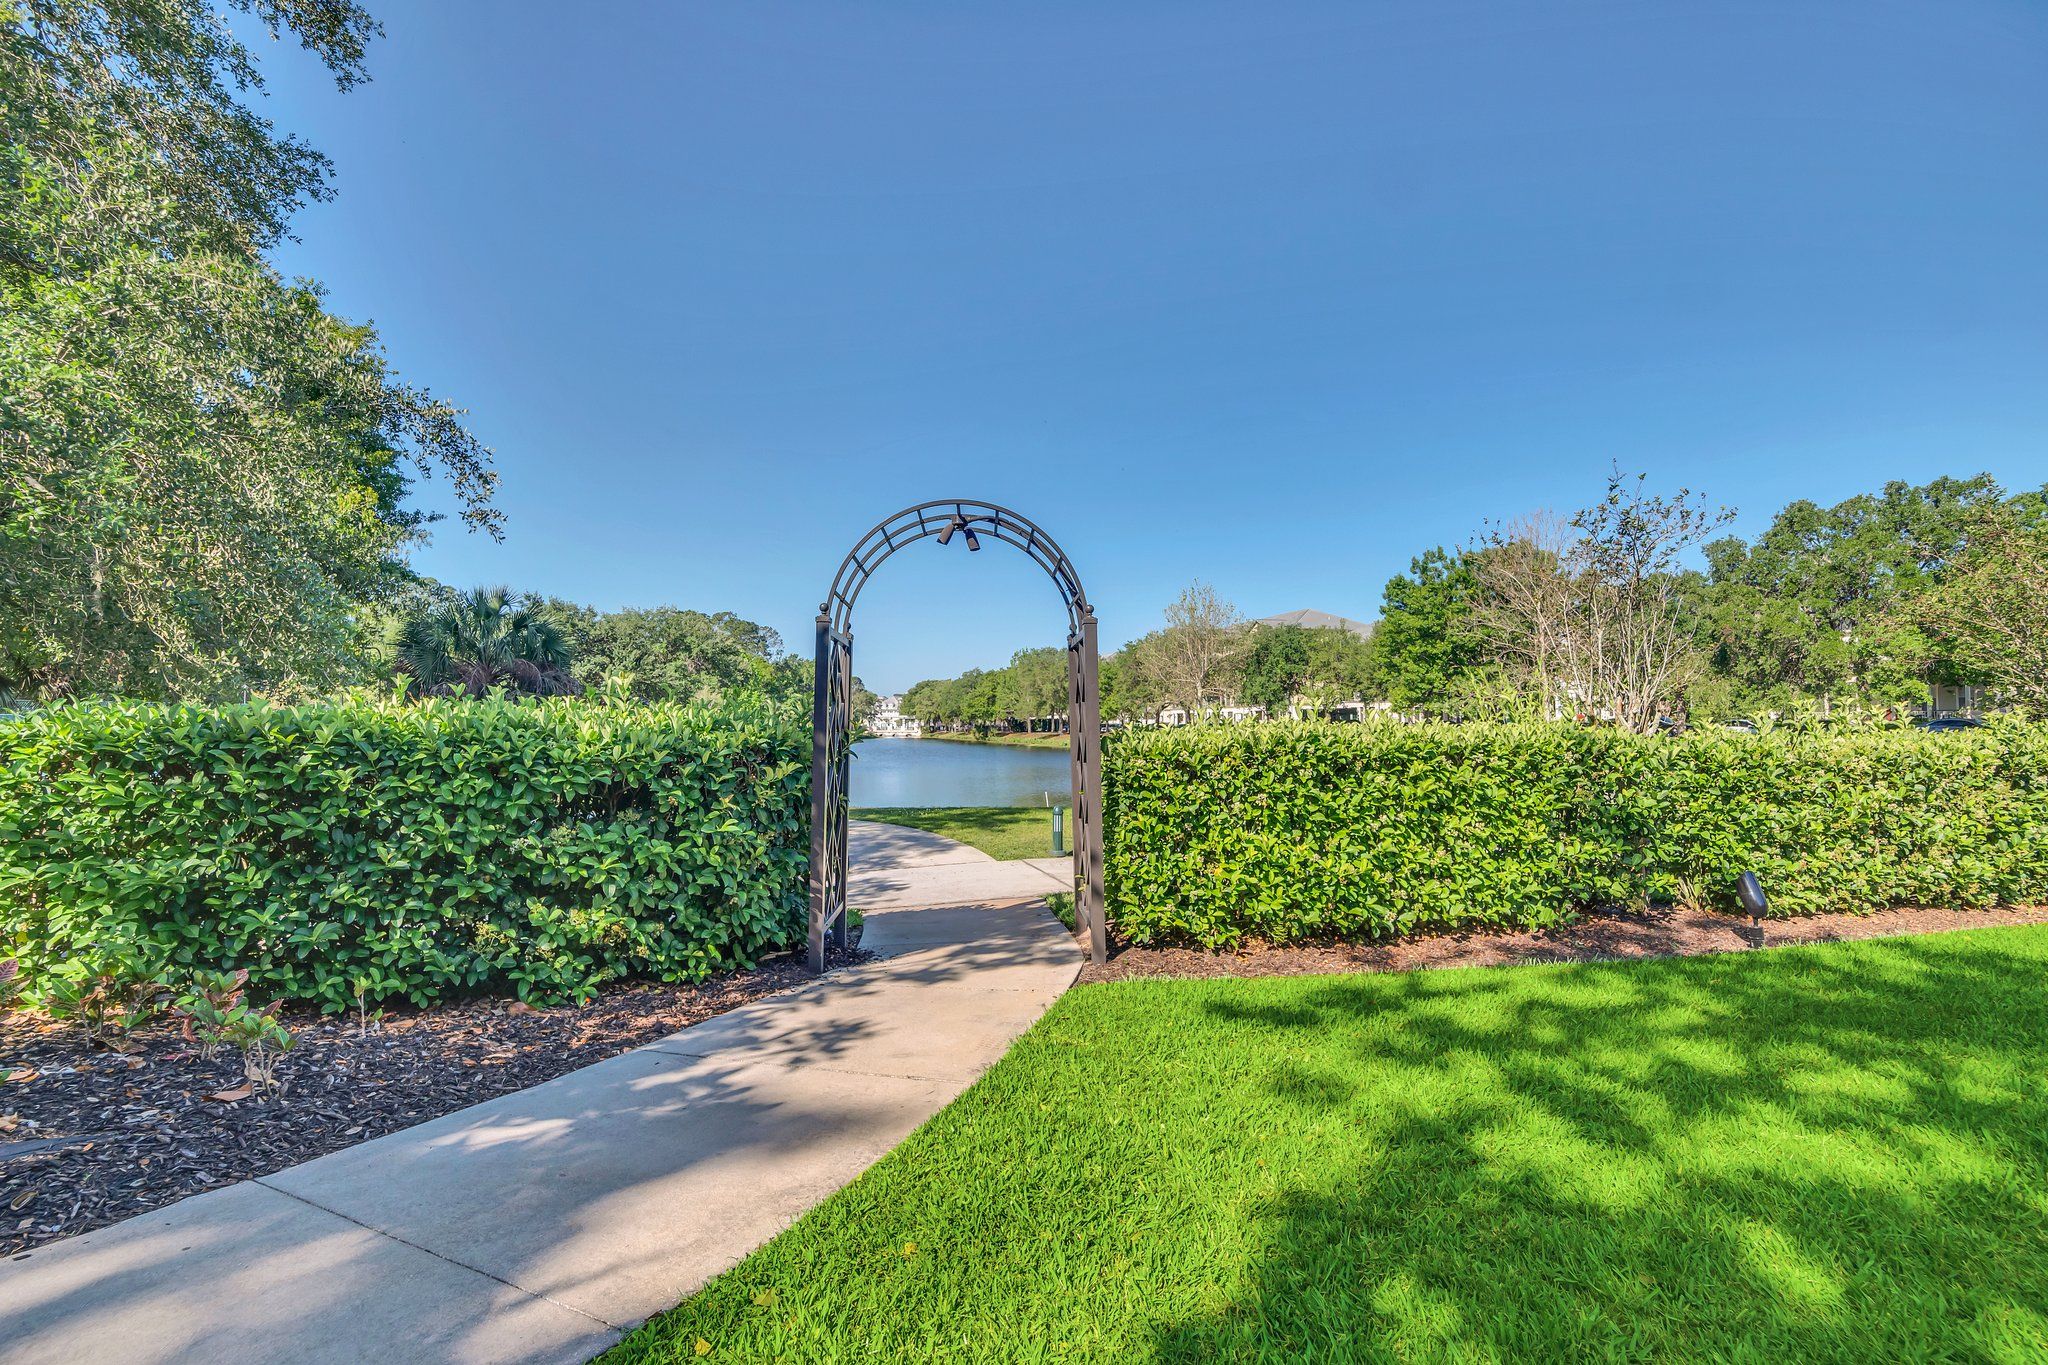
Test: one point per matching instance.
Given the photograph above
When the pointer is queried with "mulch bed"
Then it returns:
(89, 1137)
(1657, 933)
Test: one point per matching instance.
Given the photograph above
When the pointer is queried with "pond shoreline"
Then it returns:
(1041, 740)
(946, 771)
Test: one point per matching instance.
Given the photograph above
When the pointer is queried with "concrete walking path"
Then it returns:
(893, 865)
(540, 1226)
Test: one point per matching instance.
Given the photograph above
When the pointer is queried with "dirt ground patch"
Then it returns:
(89, 1137)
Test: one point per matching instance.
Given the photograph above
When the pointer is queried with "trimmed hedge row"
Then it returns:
(1287, 832)
(428, 850)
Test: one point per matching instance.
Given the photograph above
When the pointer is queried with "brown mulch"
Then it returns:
(89, 1137)
(1655, 933)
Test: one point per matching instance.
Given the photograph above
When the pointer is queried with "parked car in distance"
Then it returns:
(1952, 723)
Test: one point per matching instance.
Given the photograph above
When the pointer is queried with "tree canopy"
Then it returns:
(1828, 607)
(471, 641)
(203, 473)
(480, 640)
(1814, 608)
(1427, 640)
(1625, 612)
(669, 653)
(1204, 651)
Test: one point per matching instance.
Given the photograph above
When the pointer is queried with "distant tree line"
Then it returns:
(470, 643)
(1634, 611)
(1859, 606)
(1204, 658)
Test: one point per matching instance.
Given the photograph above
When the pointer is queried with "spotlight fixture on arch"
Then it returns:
(832, 704)
(963, 525)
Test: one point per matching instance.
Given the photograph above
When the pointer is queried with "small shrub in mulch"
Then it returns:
(89, 1136)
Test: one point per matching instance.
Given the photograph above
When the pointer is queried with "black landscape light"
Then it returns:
(1750, 892)
(961, 525)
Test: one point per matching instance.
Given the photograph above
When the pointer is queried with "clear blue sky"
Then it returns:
(1273, 295)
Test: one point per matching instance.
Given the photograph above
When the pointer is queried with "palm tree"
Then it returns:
(482, 640)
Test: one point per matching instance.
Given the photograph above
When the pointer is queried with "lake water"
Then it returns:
(944, 772)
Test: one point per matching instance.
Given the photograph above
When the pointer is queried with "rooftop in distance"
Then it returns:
(1319, 620)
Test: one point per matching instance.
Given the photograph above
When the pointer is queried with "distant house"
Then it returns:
(1954, 699)
(887, 720)
(1309, 619)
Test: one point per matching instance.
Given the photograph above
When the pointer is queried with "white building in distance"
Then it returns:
(887, 720)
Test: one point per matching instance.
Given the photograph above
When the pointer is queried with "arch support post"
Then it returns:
(1084, 746)
(831, 731)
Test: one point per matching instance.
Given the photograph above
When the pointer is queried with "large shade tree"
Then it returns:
(1988, 616)
(1818, 605)
(1301, 669)
(1428, 643)
(203, 473)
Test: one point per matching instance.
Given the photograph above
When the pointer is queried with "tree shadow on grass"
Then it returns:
(1811, 1156)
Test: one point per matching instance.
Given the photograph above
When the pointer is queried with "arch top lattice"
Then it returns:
(832, 719)
(943, 518)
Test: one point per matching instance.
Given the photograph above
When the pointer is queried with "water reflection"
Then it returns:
(941, 772)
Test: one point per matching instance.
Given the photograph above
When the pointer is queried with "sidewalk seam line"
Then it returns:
(429, 1251)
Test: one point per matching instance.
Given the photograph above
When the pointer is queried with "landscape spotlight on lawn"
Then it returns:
(1750, 892)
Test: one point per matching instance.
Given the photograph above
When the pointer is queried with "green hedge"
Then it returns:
(436, 849)
(1288, 832)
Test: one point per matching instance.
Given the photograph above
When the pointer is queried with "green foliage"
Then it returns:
(1989, 615)
(259, 1038)
(1032, 685)
(1284, 666)
(1426, 640)
(480, 640)
(669, 654)
(1827, 608)
(208, 1004)
(1302, 831)
(429, 851)
(202, 471)
(1815, 605)
(215, 1013)
(107, 987)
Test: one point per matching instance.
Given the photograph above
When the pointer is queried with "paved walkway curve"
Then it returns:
(540, 1226)
(894, 865)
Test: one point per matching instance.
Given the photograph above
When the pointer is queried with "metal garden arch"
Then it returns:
(832, 702)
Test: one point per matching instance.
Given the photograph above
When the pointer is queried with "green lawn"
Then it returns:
(1029, 741)
(999, 831)
(1826, 1153)
(1032, 741)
